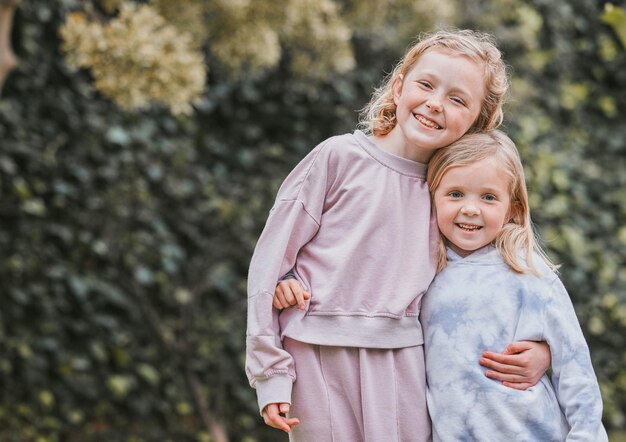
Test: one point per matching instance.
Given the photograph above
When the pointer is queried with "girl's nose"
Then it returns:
(434, 104)
(470, 210)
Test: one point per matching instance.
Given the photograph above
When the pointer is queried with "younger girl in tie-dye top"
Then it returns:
(494, 286)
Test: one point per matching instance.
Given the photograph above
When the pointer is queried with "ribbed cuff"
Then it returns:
(274, 390)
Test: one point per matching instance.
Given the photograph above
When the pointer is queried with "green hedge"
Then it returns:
(125, 238)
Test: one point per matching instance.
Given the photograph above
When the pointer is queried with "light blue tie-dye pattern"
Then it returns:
(477, 303)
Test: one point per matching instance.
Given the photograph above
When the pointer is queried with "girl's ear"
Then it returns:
(515, 212)
(396, 88)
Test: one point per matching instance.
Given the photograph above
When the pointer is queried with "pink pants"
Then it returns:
(345, 394)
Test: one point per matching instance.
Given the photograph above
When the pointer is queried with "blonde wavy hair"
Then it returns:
(517, 235)
(378, 117)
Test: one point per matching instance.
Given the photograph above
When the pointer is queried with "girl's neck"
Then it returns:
(395, 144)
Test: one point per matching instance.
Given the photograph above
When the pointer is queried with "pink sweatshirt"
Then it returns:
(354, 224)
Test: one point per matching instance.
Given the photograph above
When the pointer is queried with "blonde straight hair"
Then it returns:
(378, 117)
(518, 234)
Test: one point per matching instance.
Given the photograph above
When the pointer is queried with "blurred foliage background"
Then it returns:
(141, 146)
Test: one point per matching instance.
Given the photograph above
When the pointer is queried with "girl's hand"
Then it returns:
(273, 415)
(520, 365)
(290, 292)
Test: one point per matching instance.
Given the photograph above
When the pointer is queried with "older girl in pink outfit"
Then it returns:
(353, 223)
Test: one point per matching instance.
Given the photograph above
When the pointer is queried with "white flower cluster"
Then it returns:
(253, 35)
(137, 58)
(242, 36)
(319, 38)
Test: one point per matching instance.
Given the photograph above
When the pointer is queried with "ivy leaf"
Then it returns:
(615, 17)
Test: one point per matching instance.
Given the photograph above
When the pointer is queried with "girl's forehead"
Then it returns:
(445, 52)
(475, 169)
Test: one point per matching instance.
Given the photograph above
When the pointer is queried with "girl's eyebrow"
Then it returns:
(493, 190)
(427, 72)
(462, 91)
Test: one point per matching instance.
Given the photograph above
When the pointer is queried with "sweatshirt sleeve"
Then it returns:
(573, 376)
(293, 221)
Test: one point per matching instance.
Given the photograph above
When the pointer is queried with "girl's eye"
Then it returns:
(490, 197)
(458, 100)
(426, 84)
(455, 194)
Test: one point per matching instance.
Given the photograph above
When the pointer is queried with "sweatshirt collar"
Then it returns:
(399, 164)
(485, 255)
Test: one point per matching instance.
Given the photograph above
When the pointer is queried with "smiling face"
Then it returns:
(473, 202)
(438, 100)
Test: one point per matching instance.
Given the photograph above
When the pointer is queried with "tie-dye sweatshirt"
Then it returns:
(477, 303)
(354, 224)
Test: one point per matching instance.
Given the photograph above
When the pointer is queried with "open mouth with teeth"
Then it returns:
(426, 122)
(469, 227)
